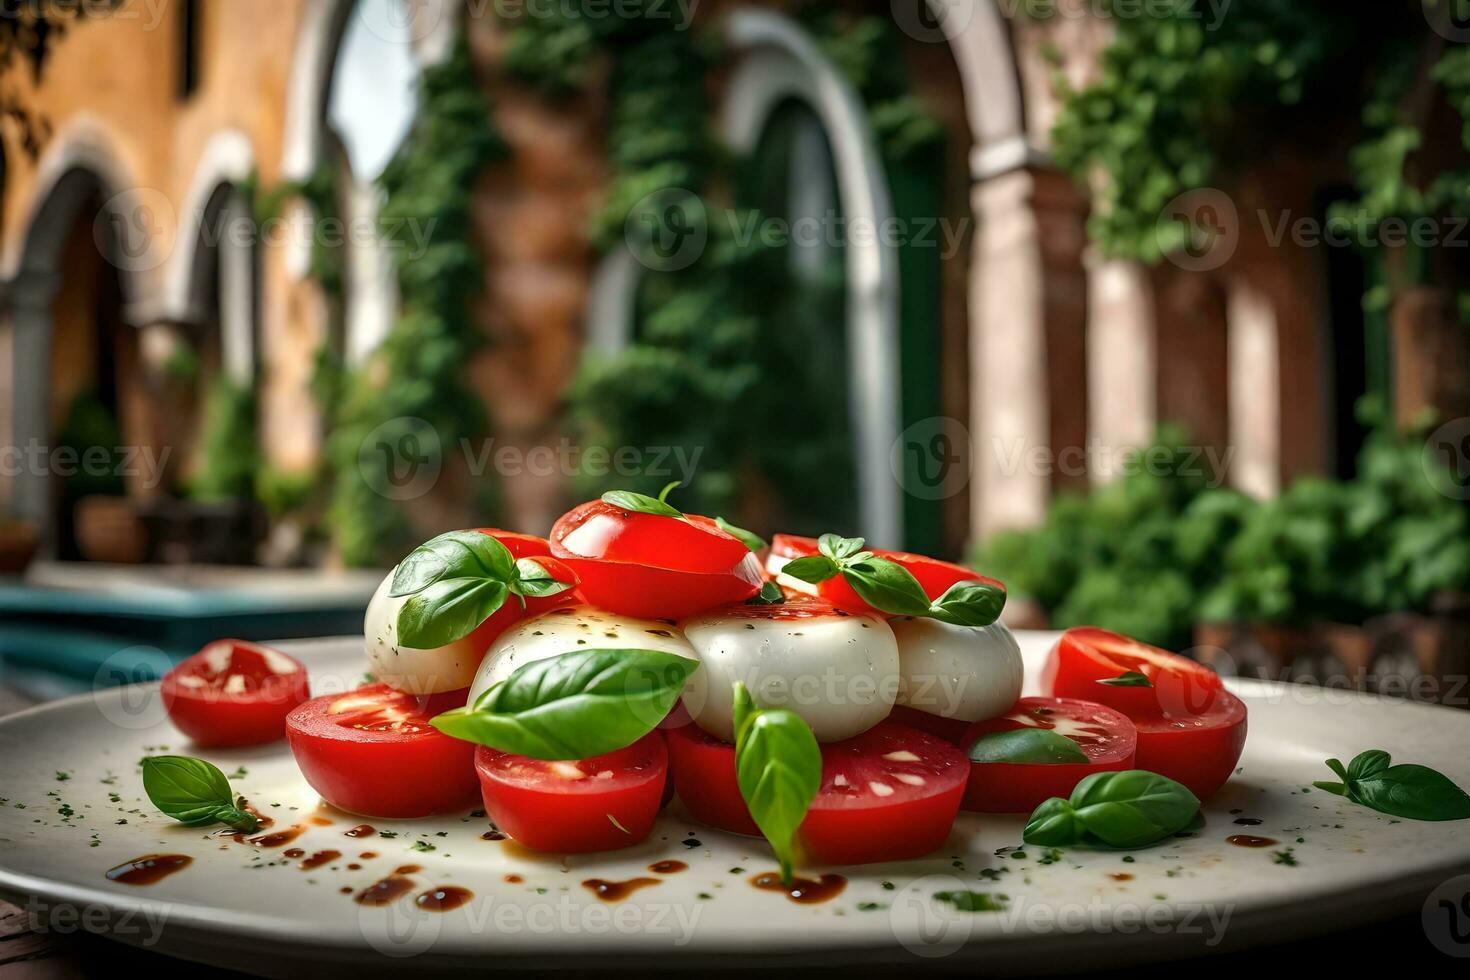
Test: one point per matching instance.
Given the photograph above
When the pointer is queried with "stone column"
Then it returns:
(29, 432)
(1121, 360)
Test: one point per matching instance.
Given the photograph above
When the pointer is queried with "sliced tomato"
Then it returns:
(597, 804)
(372, 751)
(652, 566)
(1189, 727)
(702, 769)
(934, 576)
(1105, 736)
(523, 546)
(891, 794)
(234, 692)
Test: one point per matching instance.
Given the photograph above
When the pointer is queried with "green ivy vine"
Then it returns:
(1183, 100)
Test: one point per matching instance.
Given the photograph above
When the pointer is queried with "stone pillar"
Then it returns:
(29, 430)
(1255, 391)
(1121, 360)
(1009, 418)
(1192, 353)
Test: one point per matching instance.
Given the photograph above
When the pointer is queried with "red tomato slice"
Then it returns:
(524, 546)
(234, 692)
(652, 566)
(890, 794)
(372, 751)
(702, 769)
(1189, 727)
(598, 804)
(934, 575)
(1105, 736)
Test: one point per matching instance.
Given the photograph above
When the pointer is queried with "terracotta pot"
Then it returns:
(18, 543)
(109, 529)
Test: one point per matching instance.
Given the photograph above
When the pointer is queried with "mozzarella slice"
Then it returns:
(447, 668)
(567, 630)
(837, 670)
(963, 672)
(774, 564)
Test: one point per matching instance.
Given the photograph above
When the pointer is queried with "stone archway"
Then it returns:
(80, 171)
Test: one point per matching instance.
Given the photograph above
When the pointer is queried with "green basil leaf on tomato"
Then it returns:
(640, 503)
(778, 767)
(1129, 678)
(888, 586)
(751, 540)
(453, 555)
(813, 569)
(1131, 808)
(1027, 745)
(574, 706)
(534, 580)
(448, 610)
(194, 792)
(969, 604)
(769, 595)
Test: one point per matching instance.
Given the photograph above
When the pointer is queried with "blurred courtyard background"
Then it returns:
(1158, 310)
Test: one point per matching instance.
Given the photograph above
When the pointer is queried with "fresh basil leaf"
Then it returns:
(1129, 678)
(1052, 824)
(574, 706)
(811, 568)
(769, 595)
(1413, 792)
(193, 792)
(1132, 808)
(640, 503)
(888, 586)
(1367, 764)
(752, 541)
(456, 554)
(838, 548)
(448, 610)
(533, 579)
(742, 708)
(1027, 745)
(778, 766)
(969, 603)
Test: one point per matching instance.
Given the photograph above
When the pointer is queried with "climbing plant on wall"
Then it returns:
(417, 373)
(1185, 97)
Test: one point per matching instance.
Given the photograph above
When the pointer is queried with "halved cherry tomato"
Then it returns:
(1105, 736)
(652, 566)
(934, 576)
(889, 794)
(702, 769)
(597, 804)
(523, 546)
(1189, 727)
(372, 751)
(234, 692)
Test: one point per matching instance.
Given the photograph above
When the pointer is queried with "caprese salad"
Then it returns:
(844, 703)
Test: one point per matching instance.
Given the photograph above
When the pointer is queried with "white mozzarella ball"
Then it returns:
(963, 672)
(837, 670)
(568, 630)
(447, 668)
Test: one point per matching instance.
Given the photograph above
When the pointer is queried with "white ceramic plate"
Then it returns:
(73, 807)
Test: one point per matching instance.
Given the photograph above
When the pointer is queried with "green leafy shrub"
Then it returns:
(228, 455)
